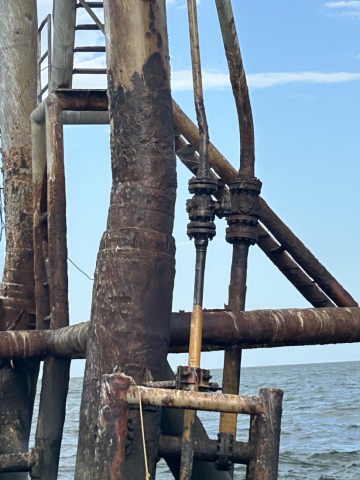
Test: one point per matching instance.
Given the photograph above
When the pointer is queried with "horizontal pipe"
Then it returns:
(18, 462)
(64, 342)
(210, 402)
(221, 328)
(205, 450)
(269, 328)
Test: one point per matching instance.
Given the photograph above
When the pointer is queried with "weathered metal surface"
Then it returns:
(205, 450)
(56, 373)
(269, 328)
(65, 342)
(232, 356)
(212, 402)
(239, 87)
(253, 329)
(22, 462)
(40, 226)
(305, 258)
(265, 437)
(18, 34)
(112, 428)
(63, 43)
(135, 267)
(296, 275)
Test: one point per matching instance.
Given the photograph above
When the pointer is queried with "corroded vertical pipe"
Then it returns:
(244, 188)
(201, 216)
(42, 296)
(18, 46)
(113, 433)
(56, 374)
(265, 437)
(239, 86)
(135, 267)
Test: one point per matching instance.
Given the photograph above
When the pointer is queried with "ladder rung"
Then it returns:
(43, 57)
(91, 26)
(89, 49)
(97, 71)
(91, 5)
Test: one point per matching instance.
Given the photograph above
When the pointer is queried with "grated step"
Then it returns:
(91, 71)
(89, 49)
(91, 5)
(91, 26)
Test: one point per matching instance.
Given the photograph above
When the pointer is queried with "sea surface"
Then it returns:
(320, 437)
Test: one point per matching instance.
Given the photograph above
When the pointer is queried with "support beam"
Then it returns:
(18, 82)
(204, 450)
(63, 44)
(56, 374)
(253, 329)
(135, 268)
(269, 328)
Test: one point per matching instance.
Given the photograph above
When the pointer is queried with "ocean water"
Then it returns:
(320, 437)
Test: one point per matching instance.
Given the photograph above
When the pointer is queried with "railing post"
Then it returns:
(265, 437)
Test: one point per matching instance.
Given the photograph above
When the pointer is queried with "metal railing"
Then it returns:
(42, 58)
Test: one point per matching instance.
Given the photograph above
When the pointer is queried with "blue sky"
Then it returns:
(302, 58)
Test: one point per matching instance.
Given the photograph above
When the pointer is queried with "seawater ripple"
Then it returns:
(320, 437)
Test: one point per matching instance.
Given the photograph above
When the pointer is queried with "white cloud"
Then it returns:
(350, 4)
(182, 79)
(344, 8)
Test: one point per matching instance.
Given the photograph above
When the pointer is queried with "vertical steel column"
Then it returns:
(42, 294)
(18, 41)
(244, 190)
(265, 437)
(63, 44)
(112, 425)
(55, 380)
(135, 267)
(201, 228)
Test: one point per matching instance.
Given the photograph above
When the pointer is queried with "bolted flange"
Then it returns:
(201, 208)
(224, 452)
(244, 211)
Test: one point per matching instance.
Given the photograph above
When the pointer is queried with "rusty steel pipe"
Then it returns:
(291, 270)
(305, 258)
(67, 342)
(205, 450)
(40, 230)
(269, 328)
(210, 402)
(264, 436)
(112, 428)
(201, 239)
(232, 356)
(252, 329)
(22, 462)
(239, 87)
(56, 374)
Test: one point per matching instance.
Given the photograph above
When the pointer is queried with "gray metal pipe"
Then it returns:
(63, 43)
